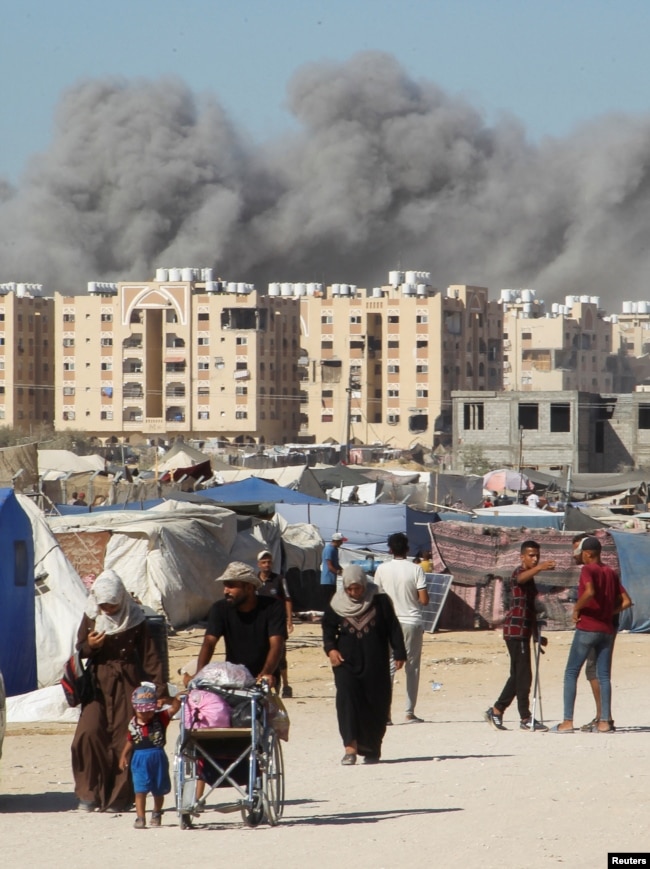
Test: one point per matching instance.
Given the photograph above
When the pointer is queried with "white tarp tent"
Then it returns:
(60, 598)
(169, 556)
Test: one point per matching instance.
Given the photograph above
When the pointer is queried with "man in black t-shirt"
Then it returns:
(275, 585)
(254, 628)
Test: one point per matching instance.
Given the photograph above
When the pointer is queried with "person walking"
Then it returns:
(406, 585)
(360, 629)
(275, 585)
(330, 567)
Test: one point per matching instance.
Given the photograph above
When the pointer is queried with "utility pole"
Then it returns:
(348, 423)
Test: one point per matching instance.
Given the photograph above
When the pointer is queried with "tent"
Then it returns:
(17, 626)
(251, 492)
(366, 527)
(60, 598)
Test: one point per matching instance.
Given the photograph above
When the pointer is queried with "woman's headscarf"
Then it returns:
(342, 603)
(109, 588)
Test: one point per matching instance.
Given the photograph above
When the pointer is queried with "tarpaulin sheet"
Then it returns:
(633, 557)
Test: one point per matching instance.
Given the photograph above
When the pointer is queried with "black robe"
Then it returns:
(363, 681)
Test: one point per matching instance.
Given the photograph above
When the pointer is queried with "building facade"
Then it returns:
(27, 347)
(164, 357)
(380, 366)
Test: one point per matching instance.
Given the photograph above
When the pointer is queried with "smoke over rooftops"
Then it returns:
(383, 170)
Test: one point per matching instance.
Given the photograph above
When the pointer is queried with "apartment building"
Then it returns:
(380, 365)
(570, 347)
(181, 354)
(26, 358)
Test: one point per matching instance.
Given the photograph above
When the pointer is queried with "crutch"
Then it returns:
(537, 687)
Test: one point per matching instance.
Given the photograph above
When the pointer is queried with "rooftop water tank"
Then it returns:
(336, 289)
(345, 289)
(506, 296)
(627, 307)
(300, 289)
(555, 308)
(162, 275)
(595, 300)
(207, 274)
(231, 286)
(527, 296)
(286, 289)
(642, 307)
(395, 278)
(212, 286)
(408, 289)
(584, 300)
(377, 293)
(410, 277)
(274, 288)
(92, 286)
(422, 290)
(175, 275)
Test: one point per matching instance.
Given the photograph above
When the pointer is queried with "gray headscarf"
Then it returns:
(342, 603)
(109, 588)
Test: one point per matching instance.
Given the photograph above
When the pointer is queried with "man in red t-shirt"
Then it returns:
(519, 626)
(600, 596)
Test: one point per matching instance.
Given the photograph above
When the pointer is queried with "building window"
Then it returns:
(421, 392)
(355, 319)
(204, 390)
(241, 390)
(644, 416)
(473, 416)
(107, 318)
(393, 393)
(68, 390)
(68, 415)
(561, 417)
(106, 414)
(204, 414)
(67, 342)
(326, 319)
(393, 318)
(393, 369)
(68, 366)
(108, 366)
(422, 318)
(106, 342)
(422, 369)
(241, 414)
(393, 345)
(240, 340)
(326, 345)
(392, 418)
(529, 416)
(422, 343)
(68, 318)
(203, 317)
(203, 366)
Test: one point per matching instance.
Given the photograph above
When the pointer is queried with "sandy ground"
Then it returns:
(450, 792)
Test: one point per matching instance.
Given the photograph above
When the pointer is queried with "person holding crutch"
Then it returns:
(519, 626)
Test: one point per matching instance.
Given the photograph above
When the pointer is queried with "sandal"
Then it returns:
(140, 824)
(155, 819)
(348, 759)
(587, 728)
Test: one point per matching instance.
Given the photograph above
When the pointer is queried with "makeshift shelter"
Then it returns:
(252, 492)
(366, 527)
(17, 625)
(60, 598)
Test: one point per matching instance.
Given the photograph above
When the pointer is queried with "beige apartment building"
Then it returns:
(570, 347)
(26, 358)
(380, 366)
(181, 354)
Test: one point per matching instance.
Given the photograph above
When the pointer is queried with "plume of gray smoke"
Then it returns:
(383, 172)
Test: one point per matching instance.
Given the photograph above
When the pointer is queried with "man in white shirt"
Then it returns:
(532, 500)
(406, 585)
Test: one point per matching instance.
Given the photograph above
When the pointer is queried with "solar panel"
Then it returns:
(438, 585)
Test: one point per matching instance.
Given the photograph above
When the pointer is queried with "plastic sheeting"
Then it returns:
(633, 557)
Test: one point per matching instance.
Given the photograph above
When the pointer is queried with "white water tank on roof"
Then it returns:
(353, 289)
(336, 289)
(300, 289)
(408, 289)
(274, 288)
(21, 290)
(311, 288)
(286, 289)
(162, 275)
(207, 274)
(642, 307)
(345, 289)
(555, 308)
(212, 286)
(395, 278)
(410, 277)
(527, 295)
(585, 300)
(231, 286)
(595, 300)
(506, 296)
(422, 290)
(175, 275)
(626, 307)
(377, 293)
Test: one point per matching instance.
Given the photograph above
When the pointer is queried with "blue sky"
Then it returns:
(551, 64)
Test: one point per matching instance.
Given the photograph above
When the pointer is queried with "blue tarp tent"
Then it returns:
(366, 527)
(17, 621)
(633, 552)
(255, 491)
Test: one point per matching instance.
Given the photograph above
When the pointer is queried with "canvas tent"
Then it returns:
(251, 492)
(366, 527)
(60, 598)
(17, 625)
(169, 556)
